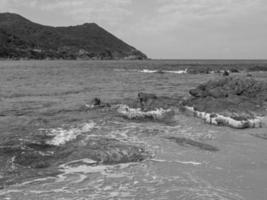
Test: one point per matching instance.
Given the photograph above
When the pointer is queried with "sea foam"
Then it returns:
(137, 113)
(60, 136)
(164, 71)
(217, 119)
(177, 72)
(148, 71)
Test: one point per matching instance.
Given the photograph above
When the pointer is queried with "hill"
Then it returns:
(22, 39)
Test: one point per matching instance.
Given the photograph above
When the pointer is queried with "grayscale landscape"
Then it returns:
(128, 104)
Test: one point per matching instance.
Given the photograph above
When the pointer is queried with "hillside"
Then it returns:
(22, 39)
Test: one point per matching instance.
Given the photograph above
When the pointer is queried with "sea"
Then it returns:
(53, 97)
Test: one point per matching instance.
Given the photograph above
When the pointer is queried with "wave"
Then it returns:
(217, 119)
(164, 71)
(149, 71)
(60, 136)
(177, 72)
(137, 113)
(178, 161)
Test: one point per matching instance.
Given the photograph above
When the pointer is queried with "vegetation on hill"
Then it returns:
(23, 39)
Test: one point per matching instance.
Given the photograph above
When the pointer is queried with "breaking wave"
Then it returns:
(137, 113)
(60, 136)
(164, 71)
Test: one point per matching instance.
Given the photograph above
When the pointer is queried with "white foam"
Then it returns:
(218, 119)
(164, 71)
(62, 136)
(179, 161)
(88, 166)
(177, 72)
(148, 71)
(137, 113)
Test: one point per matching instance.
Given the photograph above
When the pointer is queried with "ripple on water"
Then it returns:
(131, 181)
(83, 179)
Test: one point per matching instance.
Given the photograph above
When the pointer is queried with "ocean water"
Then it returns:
(38, 97)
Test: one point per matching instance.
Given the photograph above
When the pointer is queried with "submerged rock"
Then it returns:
(42, 154)
(101, 150)
(238, 102)
(111, 151)
(189, 142)
(23, 160)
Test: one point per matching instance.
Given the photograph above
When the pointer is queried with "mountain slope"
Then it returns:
(21, 38)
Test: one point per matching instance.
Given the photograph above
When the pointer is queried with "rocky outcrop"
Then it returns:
(148, 102)
(97, 103)
(238, 102)
(149, 106)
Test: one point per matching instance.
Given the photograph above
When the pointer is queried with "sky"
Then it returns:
(164, 29)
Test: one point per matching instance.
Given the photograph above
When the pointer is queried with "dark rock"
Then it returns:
(150, 102)
(199, 70)
(160, 72)
(146, 99)
(97, 103)
(239, 98)
(189, 142)
(100, 149)
(112, 151)
(234, 70)
(225, 73)
(257, 68)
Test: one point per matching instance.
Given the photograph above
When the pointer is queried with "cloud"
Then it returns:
(3, 4)
(205, 7)
(6, 6)
(176, 14)
(102, 11)
(190, 28)
(110, 12)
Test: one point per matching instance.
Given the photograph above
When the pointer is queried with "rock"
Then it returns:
(226, 73)
(150, 107)
(96, 103)
(234, 70)
(100, 149)
(149, 102)
(256, 68)
(238, 102)
(189, 142)
(160, 72)
(111, 151)
(146, 99)
(199, 70)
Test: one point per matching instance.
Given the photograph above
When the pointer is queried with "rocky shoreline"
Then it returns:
(234, 101)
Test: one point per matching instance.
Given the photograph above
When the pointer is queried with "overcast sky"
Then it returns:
(182, 29)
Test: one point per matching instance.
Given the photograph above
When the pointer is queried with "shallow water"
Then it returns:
(48, 96)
